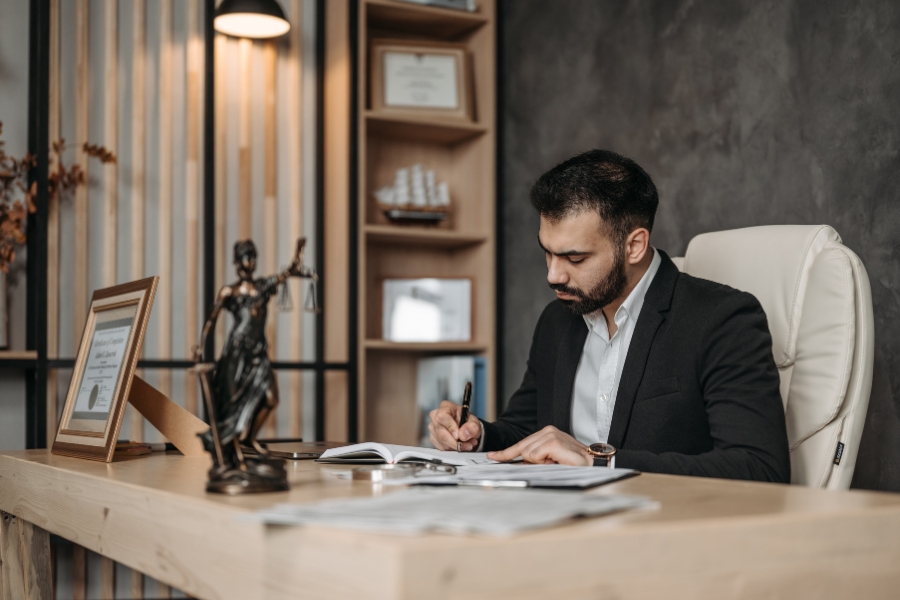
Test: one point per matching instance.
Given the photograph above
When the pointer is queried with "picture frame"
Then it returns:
(427, 309)
(424, 79)
(104, 370)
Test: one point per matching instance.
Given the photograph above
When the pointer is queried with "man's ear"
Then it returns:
(636, 245)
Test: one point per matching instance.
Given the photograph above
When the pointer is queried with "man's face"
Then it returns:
(584, 267)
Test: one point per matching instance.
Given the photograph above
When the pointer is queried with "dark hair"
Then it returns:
(243, 248)
(614, 186)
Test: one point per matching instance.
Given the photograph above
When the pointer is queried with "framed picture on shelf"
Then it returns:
(104, 369)
(422, 78)
(427, 310)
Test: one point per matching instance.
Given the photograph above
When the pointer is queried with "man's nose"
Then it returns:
(556, 274)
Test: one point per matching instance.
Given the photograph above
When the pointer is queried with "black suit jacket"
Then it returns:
(699, 392)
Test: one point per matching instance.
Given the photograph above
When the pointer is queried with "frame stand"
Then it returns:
(178, 425)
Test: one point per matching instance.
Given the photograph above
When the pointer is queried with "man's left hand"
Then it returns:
(549, 445)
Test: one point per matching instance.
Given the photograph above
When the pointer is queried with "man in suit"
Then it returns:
(635, 364)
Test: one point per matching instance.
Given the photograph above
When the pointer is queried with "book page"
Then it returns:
(396, 453)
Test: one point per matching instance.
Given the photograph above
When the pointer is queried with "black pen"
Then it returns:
(464, 414)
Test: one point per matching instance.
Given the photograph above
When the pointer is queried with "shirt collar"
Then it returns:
(631, 307)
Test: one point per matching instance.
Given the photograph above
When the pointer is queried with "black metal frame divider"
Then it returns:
(36, 269)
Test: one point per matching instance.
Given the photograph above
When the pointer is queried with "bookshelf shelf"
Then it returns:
(422, 21)
(410, 126)
(435, 347)
(415, 236)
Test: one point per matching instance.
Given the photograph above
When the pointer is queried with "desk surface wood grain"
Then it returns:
(709, 538)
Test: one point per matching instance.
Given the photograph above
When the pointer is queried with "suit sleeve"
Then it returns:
(740, 386)
(519, 419)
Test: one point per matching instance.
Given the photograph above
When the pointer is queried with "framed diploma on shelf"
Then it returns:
(421, 78)
(104, 369)
(427, 310)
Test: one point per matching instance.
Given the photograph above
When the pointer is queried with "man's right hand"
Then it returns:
(445, 431)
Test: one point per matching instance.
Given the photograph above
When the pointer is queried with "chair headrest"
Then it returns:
(772, 263)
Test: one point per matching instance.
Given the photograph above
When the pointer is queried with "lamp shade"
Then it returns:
(251, 19)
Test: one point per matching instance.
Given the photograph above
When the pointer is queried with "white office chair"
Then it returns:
(816, 295)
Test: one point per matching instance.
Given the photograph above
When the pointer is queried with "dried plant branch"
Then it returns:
(14, 183)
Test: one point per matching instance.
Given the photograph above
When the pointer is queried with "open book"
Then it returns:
(373, 452)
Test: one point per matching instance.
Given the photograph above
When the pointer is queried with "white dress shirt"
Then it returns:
(600, 366)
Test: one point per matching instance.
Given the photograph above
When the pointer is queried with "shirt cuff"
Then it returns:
(605, 462)
(481, 441)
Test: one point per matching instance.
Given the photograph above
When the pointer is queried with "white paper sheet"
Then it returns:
(451, 510)
(539, 476)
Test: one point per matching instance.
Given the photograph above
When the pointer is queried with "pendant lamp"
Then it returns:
(251, 19)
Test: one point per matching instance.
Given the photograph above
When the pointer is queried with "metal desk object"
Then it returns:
(711, 539)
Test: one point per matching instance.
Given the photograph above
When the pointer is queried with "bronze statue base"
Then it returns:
(262, 474)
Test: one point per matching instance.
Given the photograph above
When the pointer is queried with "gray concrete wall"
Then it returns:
(744, 112)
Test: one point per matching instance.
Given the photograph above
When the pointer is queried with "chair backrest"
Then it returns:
(817, 299)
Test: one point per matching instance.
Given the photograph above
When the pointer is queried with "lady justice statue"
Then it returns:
(240, 389)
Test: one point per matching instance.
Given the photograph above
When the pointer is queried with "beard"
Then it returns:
(610, 287)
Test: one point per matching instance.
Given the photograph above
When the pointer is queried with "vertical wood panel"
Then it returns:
(137, 585)
(221, 171)
(53, 128)
(295, 198)
(192, 194)
(163, 590)
(245, 200)
(270, 200)
(138, 132)
(82, 84)
(107, 578)
(337, 204)
(79, 572)
(164, 242)
(111, 138)
(138, 198)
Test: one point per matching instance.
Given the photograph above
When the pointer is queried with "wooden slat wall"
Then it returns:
(138, 141)
(295, 197)
(163, 304)
(337, 202)
(153, 189)
(270, 200)
(245, 194)
(221, 171)
(192, 193)
(53, 131)
(110, 140)
(138, 157)
(82, 84)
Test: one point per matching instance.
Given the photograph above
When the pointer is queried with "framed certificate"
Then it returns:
(427, 310)
(104, 369)
(421, 78)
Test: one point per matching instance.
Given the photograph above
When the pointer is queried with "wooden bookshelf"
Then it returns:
(462, 153)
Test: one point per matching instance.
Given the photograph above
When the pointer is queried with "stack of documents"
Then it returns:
(520, 475)
(456, 510)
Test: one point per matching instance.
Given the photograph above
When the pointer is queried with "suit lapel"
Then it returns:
(656, 302)
(568, 355)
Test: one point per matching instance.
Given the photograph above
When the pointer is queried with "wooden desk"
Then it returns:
(710, 539)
